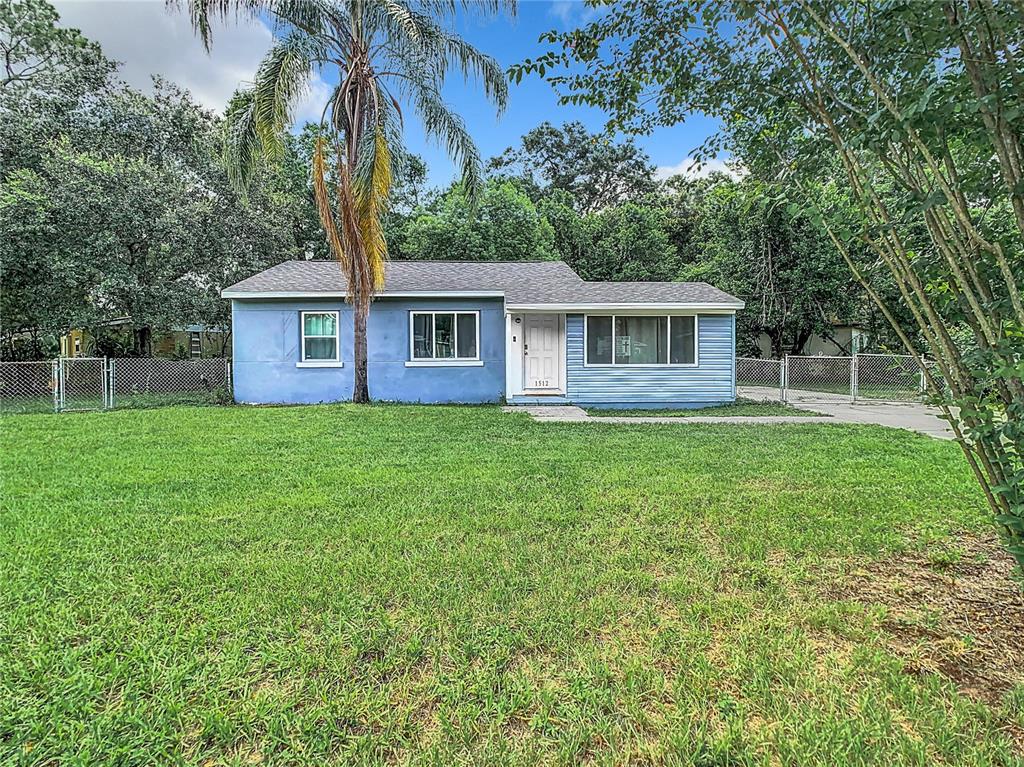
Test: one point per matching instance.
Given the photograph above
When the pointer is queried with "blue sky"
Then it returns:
(150, 40)
(511, 40)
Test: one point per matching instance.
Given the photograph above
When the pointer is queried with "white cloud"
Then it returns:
(691, 168)
(572, 13)
(149, 39)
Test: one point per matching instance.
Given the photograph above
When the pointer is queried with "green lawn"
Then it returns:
(336, 585)
(742, 407)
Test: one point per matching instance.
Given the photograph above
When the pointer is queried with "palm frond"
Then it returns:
(282, 79)
(446, 127)
(416, 41)
(202, 13)
(242, 148)
(372, 188)
(322, 197)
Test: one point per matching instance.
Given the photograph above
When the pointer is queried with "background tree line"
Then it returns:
(116, 204)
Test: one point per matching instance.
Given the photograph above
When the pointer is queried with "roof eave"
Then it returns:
(231, 293)
(682, 306)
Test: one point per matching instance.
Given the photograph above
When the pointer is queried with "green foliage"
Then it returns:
(114, 203)
(353, 585)
(504, 226)
(913, 114)
(749, 246)
(595, 171)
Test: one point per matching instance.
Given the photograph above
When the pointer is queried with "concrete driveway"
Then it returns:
(912, 416)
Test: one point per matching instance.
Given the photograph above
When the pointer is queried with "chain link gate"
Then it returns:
(888, 377)
(82, 384)
(818, 378)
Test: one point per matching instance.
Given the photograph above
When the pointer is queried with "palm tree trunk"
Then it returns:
(360, 386)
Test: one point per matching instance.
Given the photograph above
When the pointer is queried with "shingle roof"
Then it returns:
(521, 283)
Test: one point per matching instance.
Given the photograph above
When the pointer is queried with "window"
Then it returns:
(320, 337)
(641, 340)
(445, 336)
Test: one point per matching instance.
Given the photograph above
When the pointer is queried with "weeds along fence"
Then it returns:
(884, 377)
(70, 384)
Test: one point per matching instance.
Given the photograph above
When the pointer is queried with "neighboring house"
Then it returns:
(180, 341)
(444, 331)
(842, 341)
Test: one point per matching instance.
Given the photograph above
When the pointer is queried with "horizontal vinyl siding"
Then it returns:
(711, 382)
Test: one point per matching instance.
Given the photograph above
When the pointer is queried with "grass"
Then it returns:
(742, 407)
(122, 401)
(415, 585)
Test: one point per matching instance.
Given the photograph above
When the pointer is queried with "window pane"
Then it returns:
(599, 340)
(684, 347)
(641, 340)
(422, 336)
(467, 335)
(444, 326)
(320, 348)
(319, 325)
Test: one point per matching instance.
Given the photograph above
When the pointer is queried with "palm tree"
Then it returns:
(385, 53)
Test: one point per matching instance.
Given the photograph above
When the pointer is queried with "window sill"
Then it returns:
(444, 363)
(320, 364)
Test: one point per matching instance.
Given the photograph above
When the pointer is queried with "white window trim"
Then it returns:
(334, 363)
(415, 361)
(668, 343)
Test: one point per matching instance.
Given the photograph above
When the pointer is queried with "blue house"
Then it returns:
(445, 331)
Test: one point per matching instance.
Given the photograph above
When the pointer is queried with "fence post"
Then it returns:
(55, 384)
(784, 377)
(110, 384)
(854, 376)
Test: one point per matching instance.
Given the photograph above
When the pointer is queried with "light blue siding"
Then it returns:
(711, 382)
(266, 338)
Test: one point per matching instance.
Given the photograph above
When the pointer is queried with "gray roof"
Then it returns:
(521, 283)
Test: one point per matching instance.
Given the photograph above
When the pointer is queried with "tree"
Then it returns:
(922, 106)
(504, 226)
(792, 284)
(595, 171)
(382, 53)
(135, 218)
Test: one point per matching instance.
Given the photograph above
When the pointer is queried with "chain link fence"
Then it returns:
(885, 377)
(760, 377)
(95, 383)
(888, 377)
(818, 378)
(28, 387)
(144, 381)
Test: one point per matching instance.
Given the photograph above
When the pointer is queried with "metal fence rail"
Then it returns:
(69, 384)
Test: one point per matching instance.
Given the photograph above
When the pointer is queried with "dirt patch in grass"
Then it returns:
(957, 613)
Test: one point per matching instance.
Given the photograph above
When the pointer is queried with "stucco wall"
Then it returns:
(266, 342)
(712, 382)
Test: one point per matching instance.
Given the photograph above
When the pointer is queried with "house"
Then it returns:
(444, 331)
(842, 340)
(178, 341)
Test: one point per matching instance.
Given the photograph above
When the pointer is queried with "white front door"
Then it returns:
(542, 352)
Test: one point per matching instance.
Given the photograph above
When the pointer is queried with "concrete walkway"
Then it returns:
(903, 415)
